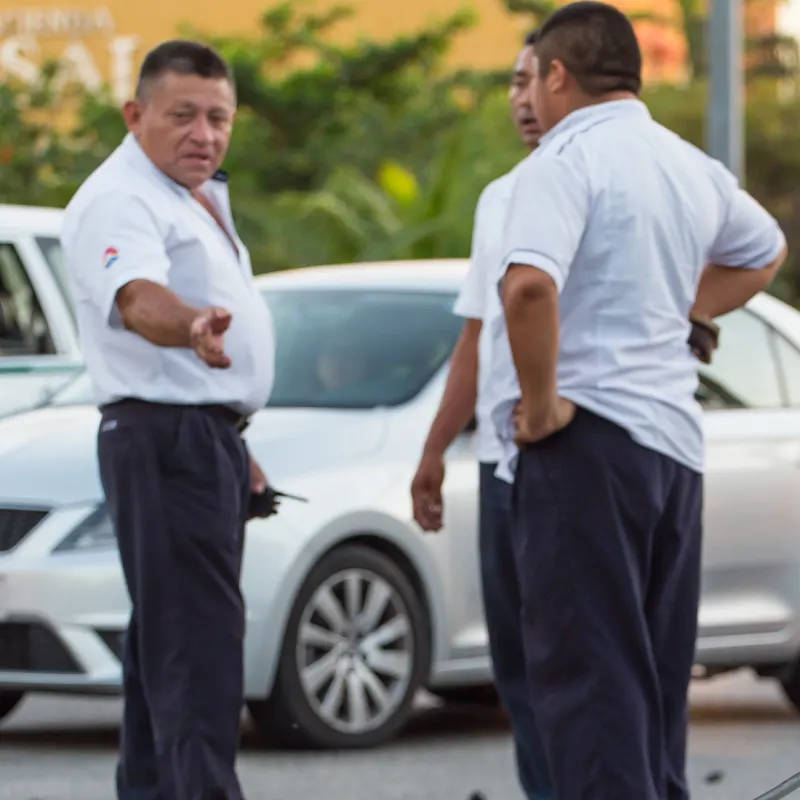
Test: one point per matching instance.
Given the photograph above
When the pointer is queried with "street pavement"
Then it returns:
(744, 740)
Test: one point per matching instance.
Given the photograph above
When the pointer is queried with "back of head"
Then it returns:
(597, 45)
(182, 57)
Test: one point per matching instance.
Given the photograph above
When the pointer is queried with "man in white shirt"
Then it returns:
(180, 348)
(618, 233)
(470, 390)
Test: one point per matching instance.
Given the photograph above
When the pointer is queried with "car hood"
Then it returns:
(49, 456)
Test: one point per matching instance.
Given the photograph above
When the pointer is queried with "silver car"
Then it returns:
(351, 609)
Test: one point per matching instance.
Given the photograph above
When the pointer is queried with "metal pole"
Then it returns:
(725, 113)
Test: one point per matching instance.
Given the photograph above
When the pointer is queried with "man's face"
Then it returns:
(184, 125)
(519, 94)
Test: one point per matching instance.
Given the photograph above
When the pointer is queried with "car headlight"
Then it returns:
(96, 532)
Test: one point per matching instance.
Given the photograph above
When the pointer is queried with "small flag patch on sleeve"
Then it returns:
(109, 257)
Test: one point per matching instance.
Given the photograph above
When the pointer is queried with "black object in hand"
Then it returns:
(704, 338)
(265, 504)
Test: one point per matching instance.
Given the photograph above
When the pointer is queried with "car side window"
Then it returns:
(744, 371)
(789, 358)
(23, 327)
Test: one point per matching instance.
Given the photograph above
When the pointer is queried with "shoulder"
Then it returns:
(552, 168)
(101, 202)
(493, 196)
(113, 188)
(498, 189)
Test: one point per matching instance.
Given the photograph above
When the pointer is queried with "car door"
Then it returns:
(752, 483)
(32, 365)
(469, 637)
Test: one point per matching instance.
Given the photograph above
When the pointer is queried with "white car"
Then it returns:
(39, 348)
(361, 364)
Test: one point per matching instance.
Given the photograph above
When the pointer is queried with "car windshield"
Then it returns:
(352, 349)
(54, 255)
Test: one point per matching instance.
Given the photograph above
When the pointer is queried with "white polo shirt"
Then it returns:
(129, 221)
(478, 299)
(623, 215)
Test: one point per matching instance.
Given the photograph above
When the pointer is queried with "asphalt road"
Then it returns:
(744, 740)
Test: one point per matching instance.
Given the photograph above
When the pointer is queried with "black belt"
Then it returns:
(225, 413)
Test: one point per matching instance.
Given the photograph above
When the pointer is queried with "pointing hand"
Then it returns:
(207, 335)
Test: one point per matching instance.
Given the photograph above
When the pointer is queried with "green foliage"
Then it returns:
(30, 149)
(351, 104)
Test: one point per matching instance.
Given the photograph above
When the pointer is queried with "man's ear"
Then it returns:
(557, 77)
(132, 113)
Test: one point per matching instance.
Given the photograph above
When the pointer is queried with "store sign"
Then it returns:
(85, 43)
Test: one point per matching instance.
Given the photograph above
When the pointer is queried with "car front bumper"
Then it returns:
(62, 615)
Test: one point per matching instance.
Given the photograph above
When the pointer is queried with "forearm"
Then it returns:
(531, 306)
(724, 289)
(156, 314)
(460, 394)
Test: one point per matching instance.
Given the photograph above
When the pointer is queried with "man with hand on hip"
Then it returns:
(470, 388)
(180, 348)
(618, 234)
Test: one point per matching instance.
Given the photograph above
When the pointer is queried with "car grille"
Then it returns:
(114, 641)
(26, 647)
(16, 524)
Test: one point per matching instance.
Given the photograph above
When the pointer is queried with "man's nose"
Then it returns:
(202, 131)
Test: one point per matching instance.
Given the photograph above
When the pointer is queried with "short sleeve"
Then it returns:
(116, 240)
(749, 236)
(547, 216)
(471, 300)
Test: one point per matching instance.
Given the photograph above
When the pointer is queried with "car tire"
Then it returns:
(790, 683)
(484, 694)
(389, 643)
(8, 702)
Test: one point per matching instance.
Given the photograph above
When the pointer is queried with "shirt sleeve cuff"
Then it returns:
(533, 258)
(468, 307)
(108, 309)
(775, 251)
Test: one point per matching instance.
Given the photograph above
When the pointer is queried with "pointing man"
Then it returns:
(180, 348)
(470, 381)
(610, 225)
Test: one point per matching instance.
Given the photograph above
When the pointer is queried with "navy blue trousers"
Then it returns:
(502, 603)
(177, 485)
(607, 542)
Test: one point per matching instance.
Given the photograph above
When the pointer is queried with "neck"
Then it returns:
(587, 100)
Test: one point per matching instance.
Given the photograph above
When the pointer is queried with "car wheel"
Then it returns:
(8, 702)
(356, 649)
(479, 695)
(790, 682)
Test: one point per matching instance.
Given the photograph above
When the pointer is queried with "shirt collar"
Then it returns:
(599, 112)
(137, 156)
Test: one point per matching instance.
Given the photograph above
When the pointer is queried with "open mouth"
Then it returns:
(529, 122)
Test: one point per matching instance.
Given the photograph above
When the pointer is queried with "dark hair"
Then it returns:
(184, 57)
(596, 43)
(532, 37)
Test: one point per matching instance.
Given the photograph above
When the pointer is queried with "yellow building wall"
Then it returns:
(104, 43)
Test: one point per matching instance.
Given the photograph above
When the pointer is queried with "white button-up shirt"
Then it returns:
(479, 300)
(129, 221)
(623, 214)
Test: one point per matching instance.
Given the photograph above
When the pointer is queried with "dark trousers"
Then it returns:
(607, 540)
(177, 485)
(502, 603)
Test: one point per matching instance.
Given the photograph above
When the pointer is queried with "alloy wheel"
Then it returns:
(355, 651)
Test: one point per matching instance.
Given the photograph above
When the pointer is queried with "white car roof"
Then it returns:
(34, 220)
(435, 275)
